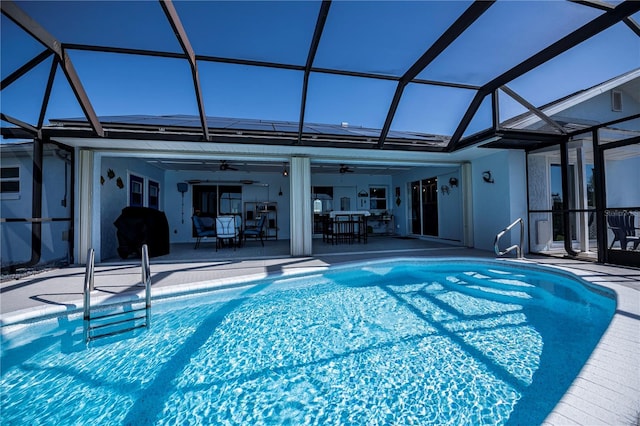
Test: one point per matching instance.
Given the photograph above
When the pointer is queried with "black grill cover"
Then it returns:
(142, 225)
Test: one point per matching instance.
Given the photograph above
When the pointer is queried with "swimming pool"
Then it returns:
(405, 341)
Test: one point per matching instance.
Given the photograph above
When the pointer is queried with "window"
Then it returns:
(378, 198)
(10, 180)
(230, 201)
(136, 191)
(154, 195)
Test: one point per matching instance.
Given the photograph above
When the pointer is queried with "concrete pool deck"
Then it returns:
(606, 391)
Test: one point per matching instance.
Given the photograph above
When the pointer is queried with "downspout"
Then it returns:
(36, 203)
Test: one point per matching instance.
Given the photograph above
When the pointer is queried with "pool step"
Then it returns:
(514, 289)
(106, 321)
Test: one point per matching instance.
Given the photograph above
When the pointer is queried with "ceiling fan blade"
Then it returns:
(224, 166)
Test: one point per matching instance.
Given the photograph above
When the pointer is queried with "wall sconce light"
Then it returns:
(285, 172)
(487, 176)
(453, 182)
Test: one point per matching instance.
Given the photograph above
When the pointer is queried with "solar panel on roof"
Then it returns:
(330, 130)
(286, 128)
(250, 126)
(365, 132)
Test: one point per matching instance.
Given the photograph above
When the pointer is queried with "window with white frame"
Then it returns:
(378, 198)
(154, 195)
(136, 191)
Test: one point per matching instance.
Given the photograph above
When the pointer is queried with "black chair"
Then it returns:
(202, 232)
(256, 231)
(624, 230)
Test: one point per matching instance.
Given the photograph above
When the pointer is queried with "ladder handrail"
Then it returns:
(88, 282)
(517, 247)
(89, 287)
(146, 280)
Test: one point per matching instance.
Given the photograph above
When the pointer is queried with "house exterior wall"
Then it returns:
(598, 109)
(56, 203)
(450, 226)
(113, 199)
(496, 205)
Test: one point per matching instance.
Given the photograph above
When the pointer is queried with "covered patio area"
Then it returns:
(252, 250)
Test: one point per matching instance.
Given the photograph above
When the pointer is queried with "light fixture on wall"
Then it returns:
(453, 181)
(444, 189)
(285, 172)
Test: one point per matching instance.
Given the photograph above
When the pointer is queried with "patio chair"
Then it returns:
(202, 231)
(624, 230)
(226, 230)
(342, 229)
(256, 231)
(238, 223)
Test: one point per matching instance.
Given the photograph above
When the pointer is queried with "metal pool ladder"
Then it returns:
(516, 247)
(120, 320)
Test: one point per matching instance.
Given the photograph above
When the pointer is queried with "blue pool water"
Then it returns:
(395, 342)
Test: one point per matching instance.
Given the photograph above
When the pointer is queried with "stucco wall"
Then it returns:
(449, 205)
(497, 204)
(16, 237)
(598, 109)
(113, 199)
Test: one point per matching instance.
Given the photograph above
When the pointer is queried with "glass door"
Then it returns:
(424, 207)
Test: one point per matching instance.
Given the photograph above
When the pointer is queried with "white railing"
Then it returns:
(516, 247)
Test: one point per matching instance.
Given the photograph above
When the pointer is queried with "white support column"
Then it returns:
(84, 205)
(583, 218)
(467, 204)
(300, 205)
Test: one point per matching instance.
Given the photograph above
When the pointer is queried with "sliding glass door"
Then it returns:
(424, 207)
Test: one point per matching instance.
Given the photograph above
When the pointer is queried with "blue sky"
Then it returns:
(380, 37)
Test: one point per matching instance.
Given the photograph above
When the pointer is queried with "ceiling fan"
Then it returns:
(345, 169)
(224, 166)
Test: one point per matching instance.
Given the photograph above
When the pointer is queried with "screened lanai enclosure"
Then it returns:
(442, 120)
